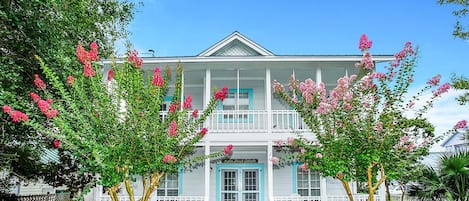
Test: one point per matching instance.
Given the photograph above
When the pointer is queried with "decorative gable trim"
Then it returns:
(235, 44)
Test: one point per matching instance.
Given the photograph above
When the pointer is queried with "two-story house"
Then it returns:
(251, 119)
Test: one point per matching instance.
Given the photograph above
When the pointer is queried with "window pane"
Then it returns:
(229, 180)
(303, 192)
(243, 95)
(160, 192)
(315, 192)
(308, 183)
(172, 193)
(229, 196)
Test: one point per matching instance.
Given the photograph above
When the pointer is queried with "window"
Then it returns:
(169, 185)
(236, 103)
(308, 183)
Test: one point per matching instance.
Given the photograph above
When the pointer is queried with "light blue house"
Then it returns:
(250, 118)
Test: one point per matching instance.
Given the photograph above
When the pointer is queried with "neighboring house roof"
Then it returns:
(456, 138)
(236, 44)
(50, 155)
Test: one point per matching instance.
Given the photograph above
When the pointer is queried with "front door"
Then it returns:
(240, 182)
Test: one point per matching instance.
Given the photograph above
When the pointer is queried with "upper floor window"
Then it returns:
(308, 183)
(237, 101)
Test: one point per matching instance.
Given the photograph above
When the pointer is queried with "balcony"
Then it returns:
(254, 121)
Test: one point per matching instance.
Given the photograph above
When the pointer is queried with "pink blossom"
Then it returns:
(277, 87)
(82, 54)
(133, 59)
(169, 159)
(378, 75)
(173, 107)
(323, 108)
(364, 43)
(294, 98)
(290, 140)
(50, 101)
(366, 62)
(304, 166)
(221, 95)
(275, 160)
(404, 139)
(93, 54)
(435, 80)
(157, 78)
(38, 82)
(43, 105)
(411, 146)
(18, 116)
(278, 142)
(110, 74)
(51, 113)
(378, 126)
(228, 149)
(188, 102)
(172, 130)
(70, 80)
(460, 124)
(318, 155)
(442, 89)
(6, 109)
(35, 97)
(203, 132)
(302, 151)
(93, 45)
(88, 69)
(195, 113)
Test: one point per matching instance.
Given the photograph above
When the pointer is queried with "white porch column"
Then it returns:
(270, 172)
(207, 172)
(207, 88)
(207, 93)
(268, 100)
(323, 189)
(318, 75)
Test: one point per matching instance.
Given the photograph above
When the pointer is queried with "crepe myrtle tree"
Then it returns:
(366, 127)
(112, 123)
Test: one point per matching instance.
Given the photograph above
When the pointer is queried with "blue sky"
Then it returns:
(186, 28)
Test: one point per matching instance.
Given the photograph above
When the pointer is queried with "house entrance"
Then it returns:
(240, 182)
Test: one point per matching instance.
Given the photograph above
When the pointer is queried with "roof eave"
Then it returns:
(299, 58)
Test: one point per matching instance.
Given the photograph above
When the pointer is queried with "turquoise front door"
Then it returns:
(240, 182)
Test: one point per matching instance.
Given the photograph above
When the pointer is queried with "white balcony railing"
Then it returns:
(297, 198)
(255, 121)
(160, 198)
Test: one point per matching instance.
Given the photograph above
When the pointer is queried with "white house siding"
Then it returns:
(334, 187)
(193, 182)
(283, 181)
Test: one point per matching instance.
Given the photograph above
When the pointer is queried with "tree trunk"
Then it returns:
(113, 192)
(129, 189)
(372, 188)
(346, 185)
(155, 179)
(388, 195)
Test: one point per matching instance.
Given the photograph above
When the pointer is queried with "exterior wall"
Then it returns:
(283, 181)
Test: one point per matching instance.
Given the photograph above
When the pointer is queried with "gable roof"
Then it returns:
(454, 138)
(235, 44)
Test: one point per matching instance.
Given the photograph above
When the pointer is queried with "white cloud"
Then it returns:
(445, 113)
